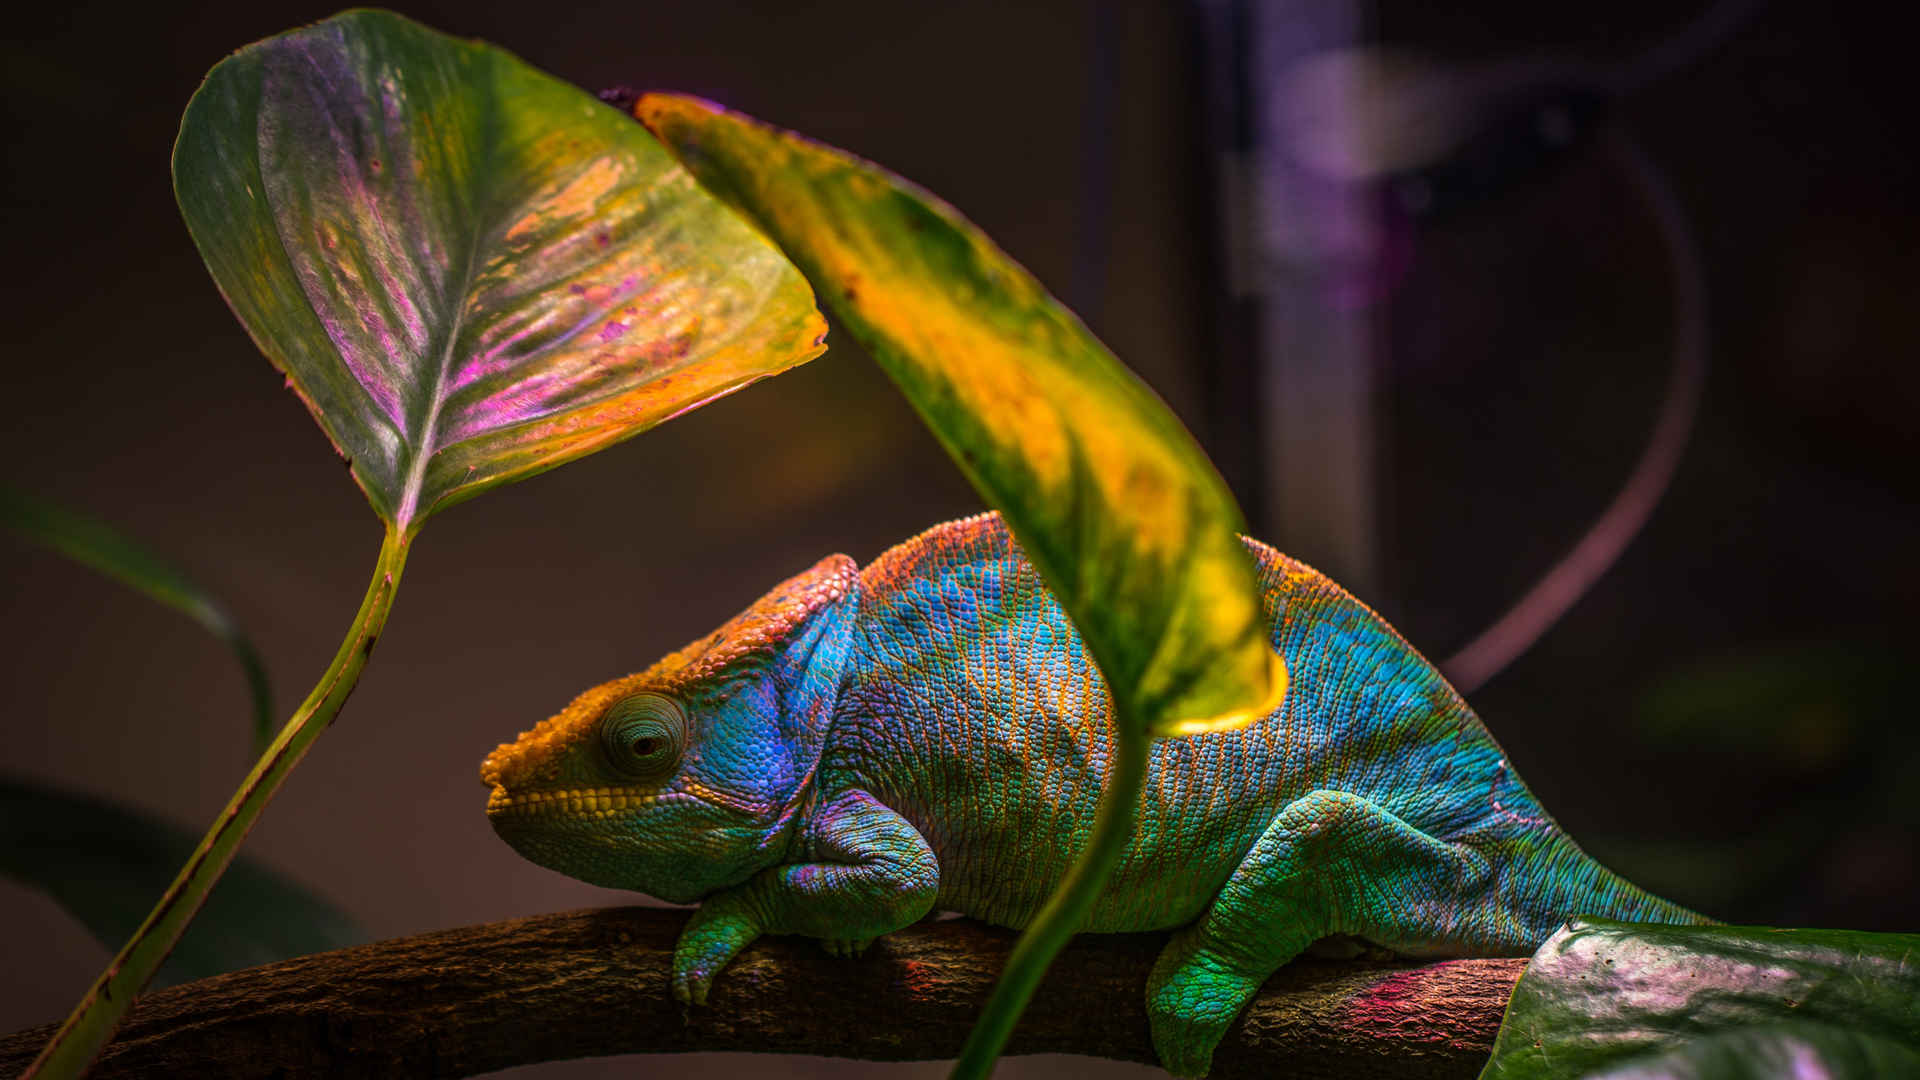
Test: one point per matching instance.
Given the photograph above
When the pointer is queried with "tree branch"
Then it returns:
(590, 983)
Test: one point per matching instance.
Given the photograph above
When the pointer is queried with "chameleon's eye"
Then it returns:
(643, 735)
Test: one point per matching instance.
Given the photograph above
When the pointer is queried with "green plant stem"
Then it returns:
(93, 1021)
(1066, 910)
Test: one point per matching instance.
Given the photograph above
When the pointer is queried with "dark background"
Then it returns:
(1725, 719)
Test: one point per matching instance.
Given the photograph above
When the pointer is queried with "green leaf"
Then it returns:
(1600, 992)
(470, 271)
(1788, 1051)
(97, 546)
(104, 862)
(1111, 498)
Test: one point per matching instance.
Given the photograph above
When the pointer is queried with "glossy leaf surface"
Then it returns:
(1603, 995)
(1769, 1053)
(469, 270)
(1109, 496)
(104, 862)
(100, 547)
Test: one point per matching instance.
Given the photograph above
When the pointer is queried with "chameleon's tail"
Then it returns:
(1566, 881)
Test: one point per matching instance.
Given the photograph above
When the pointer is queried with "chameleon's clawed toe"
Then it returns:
(846, 948)
(690, 988)
(1185, 1048)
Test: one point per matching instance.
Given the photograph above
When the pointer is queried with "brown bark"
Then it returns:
(590, 983)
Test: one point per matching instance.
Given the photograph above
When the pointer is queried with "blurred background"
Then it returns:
(1417, 279)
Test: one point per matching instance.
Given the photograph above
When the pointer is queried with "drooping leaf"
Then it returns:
(469, 270)
(104, 862)
(98, 546)
(1599, 993)
(1109, 495)
(1774, 1052)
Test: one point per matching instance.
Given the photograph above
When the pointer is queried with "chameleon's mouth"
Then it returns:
(574, 803)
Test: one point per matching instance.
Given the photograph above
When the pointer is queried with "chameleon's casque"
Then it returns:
(860, 748)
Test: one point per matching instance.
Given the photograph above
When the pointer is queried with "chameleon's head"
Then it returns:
(687, 777)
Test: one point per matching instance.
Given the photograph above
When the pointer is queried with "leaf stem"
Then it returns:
(99, 1012)
(1066, 910)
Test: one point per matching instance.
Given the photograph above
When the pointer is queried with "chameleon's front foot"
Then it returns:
(718, 931)
(874, 874)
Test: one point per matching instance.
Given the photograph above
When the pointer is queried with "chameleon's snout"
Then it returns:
(537, 758)
(494, 770)
(494, 782)
(504, 772)
(534, 759)
(500, 777)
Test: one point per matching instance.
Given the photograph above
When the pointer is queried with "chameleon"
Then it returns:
(861, 748)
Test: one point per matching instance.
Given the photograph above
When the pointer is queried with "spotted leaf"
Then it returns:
(469, 270)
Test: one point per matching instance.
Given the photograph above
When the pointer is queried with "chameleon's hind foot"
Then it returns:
(1193, 996)
(1330, 862)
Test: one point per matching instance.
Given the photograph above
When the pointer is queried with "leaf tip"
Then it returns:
(1235, 719)
(658, 107)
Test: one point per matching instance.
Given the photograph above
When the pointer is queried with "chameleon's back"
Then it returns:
(974, 712)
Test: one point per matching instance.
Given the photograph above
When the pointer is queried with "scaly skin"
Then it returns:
(859, 749)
